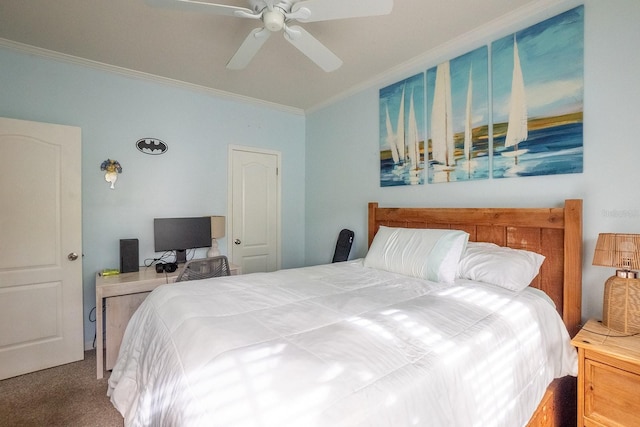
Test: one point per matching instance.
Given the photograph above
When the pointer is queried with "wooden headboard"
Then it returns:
(555, 233)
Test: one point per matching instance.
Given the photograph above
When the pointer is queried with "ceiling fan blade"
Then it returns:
(248, 49)
(325, 10)
(200, 6)
(312, 48)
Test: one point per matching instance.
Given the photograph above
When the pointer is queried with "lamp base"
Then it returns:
(626, 274)
(621, 305)
(213, 250)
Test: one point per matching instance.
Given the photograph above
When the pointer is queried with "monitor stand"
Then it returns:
(181, 256)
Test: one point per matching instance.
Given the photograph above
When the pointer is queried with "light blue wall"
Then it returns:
(343, 160)
(113, 112)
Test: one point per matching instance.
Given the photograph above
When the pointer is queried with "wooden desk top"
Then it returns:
(144, 280)
(130, 283)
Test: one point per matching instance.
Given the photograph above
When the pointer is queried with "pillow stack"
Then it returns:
(442, 255)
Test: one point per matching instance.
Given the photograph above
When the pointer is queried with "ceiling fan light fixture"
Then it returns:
(273, 20)
(278, 15)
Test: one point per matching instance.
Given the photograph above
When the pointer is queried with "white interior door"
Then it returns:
(254, 241)
(40, 231)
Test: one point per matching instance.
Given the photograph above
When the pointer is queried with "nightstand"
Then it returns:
(608, 377)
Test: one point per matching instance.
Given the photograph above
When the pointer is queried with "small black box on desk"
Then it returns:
(128, 255)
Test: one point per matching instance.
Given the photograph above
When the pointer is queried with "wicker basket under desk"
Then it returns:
(621, 308)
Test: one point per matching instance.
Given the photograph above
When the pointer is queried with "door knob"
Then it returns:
(72, 256)
(237, 241)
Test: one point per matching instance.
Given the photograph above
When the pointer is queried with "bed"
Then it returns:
(357, 344)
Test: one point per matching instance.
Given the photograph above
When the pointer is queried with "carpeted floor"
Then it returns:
(67, 395)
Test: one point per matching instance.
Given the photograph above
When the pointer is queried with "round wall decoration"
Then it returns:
(151, 146)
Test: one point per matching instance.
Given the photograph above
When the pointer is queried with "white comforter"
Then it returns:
(338, 345)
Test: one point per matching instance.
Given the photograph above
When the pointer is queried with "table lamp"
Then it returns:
(621, 304)
(217, 231)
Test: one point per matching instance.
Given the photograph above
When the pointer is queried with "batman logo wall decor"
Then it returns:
(151, 146)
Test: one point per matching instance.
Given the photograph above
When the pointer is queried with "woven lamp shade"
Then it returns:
(621, 304)
(618, 250)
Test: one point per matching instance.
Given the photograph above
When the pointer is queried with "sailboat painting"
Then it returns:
(402, 132)
(537, 93)
(458, 118)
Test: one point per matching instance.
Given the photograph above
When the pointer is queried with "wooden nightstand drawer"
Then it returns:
(611, 395)
(608, 377)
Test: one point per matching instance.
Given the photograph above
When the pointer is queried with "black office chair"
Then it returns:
(203, 268)
(343, 245)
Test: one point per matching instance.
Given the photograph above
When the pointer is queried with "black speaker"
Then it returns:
(128, 255)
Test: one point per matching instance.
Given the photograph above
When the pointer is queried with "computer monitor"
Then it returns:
(180, 234)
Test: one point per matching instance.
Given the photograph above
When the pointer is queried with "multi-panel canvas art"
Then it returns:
(440, 122)
(458, 118)
(402, 133)
(537, 91)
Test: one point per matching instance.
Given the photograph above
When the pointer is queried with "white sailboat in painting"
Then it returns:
(391, 140)
(442, 143)
(400, 139)
(404, 143)
(468, 125)
(517, 126)
(395, 140)
(413, 145)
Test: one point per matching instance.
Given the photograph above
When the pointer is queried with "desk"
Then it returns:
(123, 294)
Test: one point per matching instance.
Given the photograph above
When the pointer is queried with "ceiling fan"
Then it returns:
(277, 15)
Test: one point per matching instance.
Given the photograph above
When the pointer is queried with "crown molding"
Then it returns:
(70, 59)
(513, 21)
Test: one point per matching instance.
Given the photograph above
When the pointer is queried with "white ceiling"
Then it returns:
(194, 48)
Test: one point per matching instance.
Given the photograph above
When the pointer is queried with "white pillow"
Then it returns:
(431, 254)
(509, 268)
